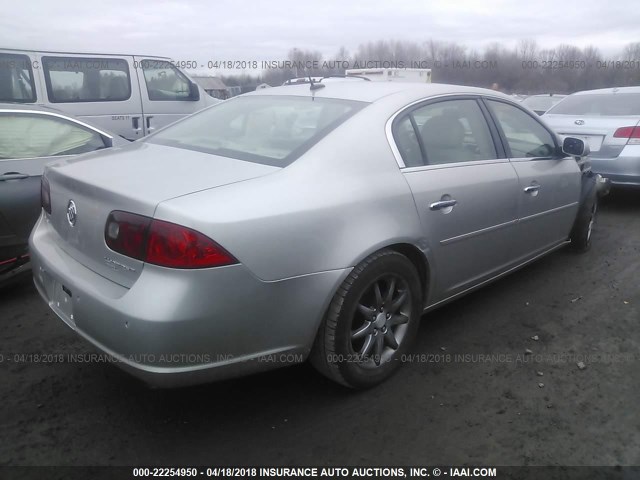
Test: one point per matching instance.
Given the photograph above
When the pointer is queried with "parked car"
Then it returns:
(130, 95)
(30, 137)
(609, 120)
(541, 103)
(299, 221)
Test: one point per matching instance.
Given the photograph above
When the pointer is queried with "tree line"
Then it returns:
(525, 69)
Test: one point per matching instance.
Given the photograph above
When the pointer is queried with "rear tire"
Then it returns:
(371, 322)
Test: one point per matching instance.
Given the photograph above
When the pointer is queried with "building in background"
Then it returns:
(213, 86)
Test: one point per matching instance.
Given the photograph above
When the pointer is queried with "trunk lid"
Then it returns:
(135, 178)
(597, 130)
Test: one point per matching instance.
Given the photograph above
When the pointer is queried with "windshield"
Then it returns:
(606, 104)
(274, 130)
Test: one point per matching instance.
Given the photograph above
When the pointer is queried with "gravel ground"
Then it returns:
(471, 396)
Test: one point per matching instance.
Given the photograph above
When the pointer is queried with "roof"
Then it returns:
(372, 91)
(614, 90)
(23, 51)
(209, 83)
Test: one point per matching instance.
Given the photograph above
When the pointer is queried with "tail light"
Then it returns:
(631, 133)
(163, 243)
(45, 195)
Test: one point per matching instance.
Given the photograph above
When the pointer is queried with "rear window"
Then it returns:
(606, 104)
(273, 130)
(16, 79)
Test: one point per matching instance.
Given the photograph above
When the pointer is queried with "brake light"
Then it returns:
(163, 243)
(631, 133)
(45, 195)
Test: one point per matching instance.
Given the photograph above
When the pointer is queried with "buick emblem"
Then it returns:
(579, 122)
(72, 213)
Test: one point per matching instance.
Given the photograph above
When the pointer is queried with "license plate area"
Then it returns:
(62, 303)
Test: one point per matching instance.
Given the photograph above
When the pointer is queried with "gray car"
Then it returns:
(609, 120)
(30, 137)
(302, 221)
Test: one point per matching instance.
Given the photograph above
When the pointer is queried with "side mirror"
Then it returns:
(575, 147)
(194, 92)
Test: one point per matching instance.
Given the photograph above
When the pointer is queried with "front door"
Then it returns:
(167, 94)
(549, 184)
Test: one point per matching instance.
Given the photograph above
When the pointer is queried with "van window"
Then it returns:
(164, 81)
(73, 79)
(16, 79)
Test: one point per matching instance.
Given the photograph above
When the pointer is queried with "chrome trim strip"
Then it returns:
(475, 233)
(547, 212)
(464, 236)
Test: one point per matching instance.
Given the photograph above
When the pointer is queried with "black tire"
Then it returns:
(352, 324)
(582, 231)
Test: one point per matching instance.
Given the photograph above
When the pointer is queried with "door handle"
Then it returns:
(135, 123)
(531, 188)
(13, 176)
(443, 204)
(149, 127)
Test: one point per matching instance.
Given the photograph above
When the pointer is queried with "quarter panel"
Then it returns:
(344, 198)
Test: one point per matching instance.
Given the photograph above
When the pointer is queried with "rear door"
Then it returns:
(29, 140)
(101, 89)
(549, 184)
(464, 188)
(167, 93)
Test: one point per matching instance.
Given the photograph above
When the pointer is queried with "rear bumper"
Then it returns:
(181, 327)
(621, 170)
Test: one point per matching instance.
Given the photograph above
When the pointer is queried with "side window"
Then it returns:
(454, 131)
(407, 142)
(24, 135)
(16, 79)
(525, 136)
(72, 79)
(164, 81)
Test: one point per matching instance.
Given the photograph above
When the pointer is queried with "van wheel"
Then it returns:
(371, 322)
(583, 228)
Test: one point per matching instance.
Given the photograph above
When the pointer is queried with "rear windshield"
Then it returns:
(273, 130)
(606, 104)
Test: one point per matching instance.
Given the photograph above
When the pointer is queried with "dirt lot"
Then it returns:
(471, 396)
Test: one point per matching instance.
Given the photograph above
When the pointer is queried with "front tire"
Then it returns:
(371, 322)
(583, 228)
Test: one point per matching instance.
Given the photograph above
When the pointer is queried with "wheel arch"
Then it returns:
(420, 261)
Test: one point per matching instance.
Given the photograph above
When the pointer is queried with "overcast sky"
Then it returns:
(246, 30)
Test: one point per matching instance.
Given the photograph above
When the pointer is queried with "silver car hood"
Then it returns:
(135, 178)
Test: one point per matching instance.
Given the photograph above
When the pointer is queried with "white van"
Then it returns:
(129, 95)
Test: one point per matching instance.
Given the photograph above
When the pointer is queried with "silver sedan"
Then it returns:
(609, 121)
(311, 221)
